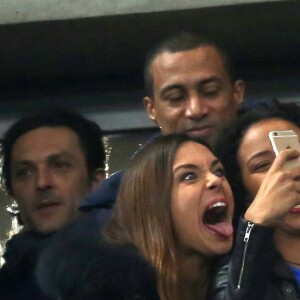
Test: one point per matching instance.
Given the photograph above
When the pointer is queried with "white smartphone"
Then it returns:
(285, 139)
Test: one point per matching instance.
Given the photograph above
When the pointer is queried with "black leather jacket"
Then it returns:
(256, 271)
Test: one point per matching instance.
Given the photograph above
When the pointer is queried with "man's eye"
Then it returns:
(61, 164)
(22, 173)
(175, 98)
(210, 91)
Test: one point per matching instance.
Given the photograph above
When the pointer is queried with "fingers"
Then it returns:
(279, 184)
(288, 158)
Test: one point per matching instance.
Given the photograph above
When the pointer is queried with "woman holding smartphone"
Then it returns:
(171, 224)
(252, 168)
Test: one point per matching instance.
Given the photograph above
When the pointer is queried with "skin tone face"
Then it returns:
(49, 177)
(202, 202)
(192, 93)
(256, 156)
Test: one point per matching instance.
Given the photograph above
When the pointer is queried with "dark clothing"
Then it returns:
(105, 196)
(98, 205)
(95, 270)
(102, 200)
(256, 270)
(250, 263)
(17, 277)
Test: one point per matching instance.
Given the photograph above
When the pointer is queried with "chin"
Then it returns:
(290, 227)
(47, 228)
(223, 248)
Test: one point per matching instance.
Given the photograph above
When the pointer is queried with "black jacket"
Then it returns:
(256, 270)
(17, 275)
(84, 268)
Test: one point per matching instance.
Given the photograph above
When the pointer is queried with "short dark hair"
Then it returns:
(183, 41)
(88, 132)
(230, 139)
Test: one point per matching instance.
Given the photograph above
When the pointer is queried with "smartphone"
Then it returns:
(285, 139)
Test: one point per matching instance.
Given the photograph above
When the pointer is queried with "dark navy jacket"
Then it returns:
(100, 202)
(98, 205)
(105, 196)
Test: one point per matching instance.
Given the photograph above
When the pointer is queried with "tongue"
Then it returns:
(223, 229)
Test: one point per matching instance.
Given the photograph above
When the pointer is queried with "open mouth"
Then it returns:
(216, 213)
(215, 219)
(295, 210)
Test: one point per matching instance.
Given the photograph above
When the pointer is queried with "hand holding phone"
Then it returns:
(285, 139)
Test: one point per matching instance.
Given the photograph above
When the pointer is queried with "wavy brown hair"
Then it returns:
(142, 214)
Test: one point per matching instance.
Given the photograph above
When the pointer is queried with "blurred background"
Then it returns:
(88, 56)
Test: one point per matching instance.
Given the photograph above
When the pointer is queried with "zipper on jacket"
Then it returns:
(246, 240)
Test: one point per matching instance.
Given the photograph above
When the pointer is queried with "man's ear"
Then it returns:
(97, 178)
(150, 108)
(238, 92)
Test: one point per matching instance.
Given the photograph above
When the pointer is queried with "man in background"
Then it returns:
(51, 161)
(191, 88)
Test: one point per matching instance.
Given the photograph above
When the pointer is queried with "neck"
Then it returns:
(289, 247)
(194, 274)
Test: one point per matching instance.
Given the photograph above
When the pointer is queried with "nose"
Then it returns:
(196, 108)
(44, 179)
(213, 182)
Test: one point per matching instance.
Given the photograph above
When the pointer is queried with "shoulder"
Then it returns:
(95, 268)
(105, 196)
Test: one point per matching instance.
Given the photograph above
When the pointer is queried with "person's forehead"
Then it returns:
(190, 152)
(45, 141)
(187, 67)
(263, 127)
(172, 60)
(256, 137)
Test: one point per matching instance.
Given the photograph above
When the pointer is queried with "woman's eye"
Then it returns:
(262, 167)
(189, 176)
(220, 172)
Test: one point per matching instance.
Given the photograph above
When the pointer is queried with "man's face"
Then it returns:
(49, 177)
(192, 93)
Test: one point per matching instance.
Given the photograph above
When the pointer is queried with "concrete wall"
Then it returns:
(20, 11)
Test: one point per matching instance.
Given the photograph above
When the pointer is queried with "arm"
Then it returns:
(248, 270)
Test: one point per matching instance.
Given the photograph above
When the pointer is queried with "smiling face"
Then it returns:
(255, 157)
(202, 202)
(49, 177)
(192, 93)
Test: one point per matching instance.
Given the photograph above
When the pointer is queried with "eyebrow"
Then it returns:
(259, 154)
(171, 87)
(180, 86)
(51, 157)
(193, 166)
